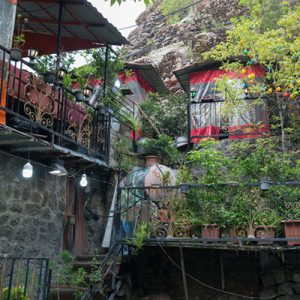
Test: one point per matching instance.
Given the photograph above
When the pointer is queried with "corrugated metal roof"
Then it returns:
(81, 22)
(183, 75)
(149, 73)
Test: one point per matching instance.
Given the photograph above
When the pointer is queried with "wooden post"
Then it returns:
(186, 294)
(222, 271)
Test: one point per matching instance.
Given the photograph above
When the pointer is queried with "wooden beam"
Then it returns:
(32, 149)
(222, 271)
(183, 274)
(15, 142)
(65, 23)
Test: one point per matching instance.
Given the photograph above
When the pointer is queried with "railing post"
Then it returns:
(189, 124)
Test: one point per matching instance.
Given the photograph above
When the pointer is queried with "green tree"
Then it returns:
(112, 2)
(269, 36)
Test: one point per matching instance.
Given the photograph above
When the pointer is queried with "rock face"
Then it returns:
(172, 46)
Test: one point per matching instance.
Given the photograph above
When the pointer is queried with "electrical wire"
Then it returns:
(209, 286)
(166, 15)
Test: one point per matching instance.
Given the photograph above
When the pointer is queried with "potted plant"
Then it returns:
(210, 219)
(18, 39)
(160, 149)
(265, 224)
(292, 222)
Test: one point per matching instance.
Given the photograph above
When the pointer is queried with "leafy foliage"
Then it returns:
(19, 36)
(140, 235)
(169, 6)
(210, 160)
(15, 293)
(63, 273)
(269, 37)
(122, 154)
(167, 112)
(47, 63)
(112, 2)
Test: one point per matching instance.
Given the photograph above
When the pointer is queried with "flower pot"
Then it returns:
(79, 96)
(264, 232)
(50, 77)
(292, 230)
(210, 231)
(151, 160)
(15, 54)
(181, 142)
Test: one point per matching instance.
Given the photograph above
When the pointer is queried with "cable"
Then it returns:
(211, 287)
(166, 15)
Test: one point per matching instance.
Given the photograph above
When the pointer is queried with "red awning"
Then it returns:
(83, 27)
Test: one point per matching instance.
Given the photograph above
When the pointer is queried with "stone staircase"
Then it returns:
(99, 268)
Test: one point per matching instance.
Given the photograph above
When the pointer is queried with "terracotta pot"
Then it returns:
(15, 54)
(151, 160)
(264, 232)
(210, 231)
(292, 230)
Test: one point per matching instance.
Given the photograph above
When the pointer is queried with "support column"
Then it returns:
(186, 294)
(7, 22)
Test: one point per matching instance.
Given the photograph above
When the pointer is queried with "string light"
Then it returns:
(83, 180)
(27, 170)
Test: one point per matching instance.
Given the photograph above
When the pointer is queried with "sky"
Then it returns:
(120, 15)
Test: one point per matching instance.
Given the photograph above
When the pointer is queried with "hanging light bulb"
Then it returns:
(27, 170)
(83, 180)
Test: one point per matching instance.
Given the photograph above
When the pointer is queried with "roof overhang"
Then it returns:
(83, 27)
(183, 75)
(149, 73)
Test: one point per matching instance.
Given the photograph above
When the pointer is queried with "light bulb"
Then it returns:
(27, 170)
(83, 181)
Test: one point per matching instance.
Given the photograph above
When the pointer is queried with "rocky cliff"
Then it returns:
(173, 45)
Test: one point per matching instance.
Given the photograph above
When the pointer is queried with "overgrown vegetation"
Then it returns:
(170, 6)
(168, 113)
(269, 36)
(64, 274)
(123, 150)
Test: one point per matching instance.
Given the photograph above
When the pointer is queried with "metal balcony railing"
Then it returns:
(29, 104)
(220, 213)
(24, 278)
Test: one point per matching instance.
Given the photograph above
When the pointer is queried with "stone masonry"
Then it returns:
(31, 210)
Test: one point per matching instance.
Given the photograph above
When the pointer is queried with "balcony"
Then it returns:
(43, 119)
(231, 216)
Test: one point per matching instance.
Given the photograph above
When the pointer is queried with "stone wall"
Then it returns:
(97, 207)
(31, 210)
(280, 275)
(154, 276)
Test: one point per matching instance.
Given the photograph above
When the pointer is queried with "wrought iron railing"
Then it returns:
(24, 278)
(232, 212)
(30, 104)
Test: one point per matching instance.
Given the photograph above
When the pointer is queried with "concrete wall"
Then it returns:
(31, 210)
